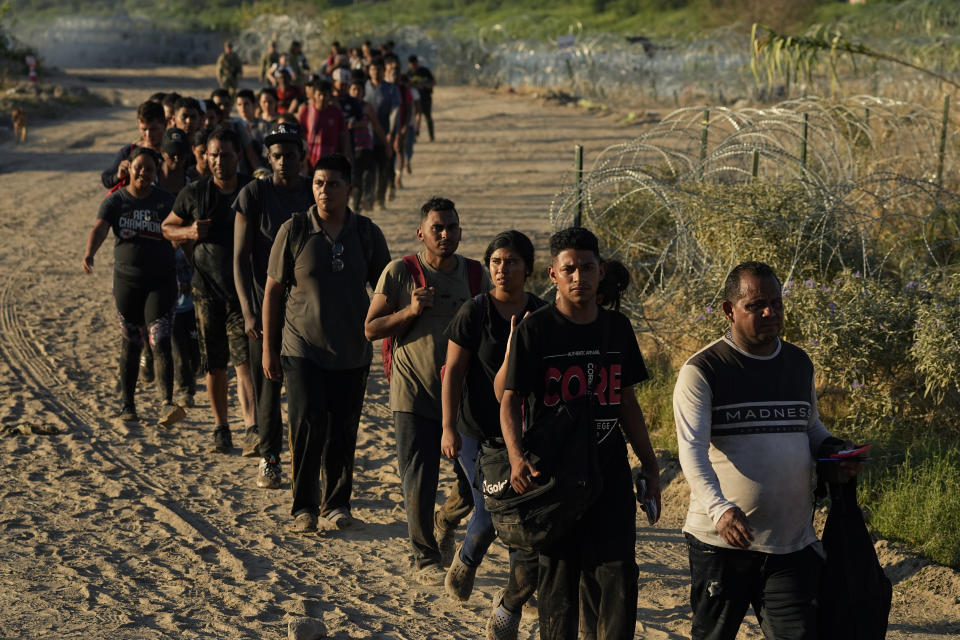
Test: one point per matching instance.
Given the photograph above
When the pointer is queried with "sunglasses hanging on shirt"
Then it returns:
(337, 263)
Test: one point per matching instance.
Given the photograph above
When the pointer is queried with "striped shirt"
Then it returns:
(747, 428)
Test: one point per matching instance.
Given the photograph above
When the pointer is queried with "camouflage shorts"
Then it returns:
(220, 330)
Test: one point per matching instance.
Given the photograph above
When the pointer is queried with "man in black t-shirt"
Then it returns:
(560, 352)
(203, 215)
(422, 80)
(262, 206)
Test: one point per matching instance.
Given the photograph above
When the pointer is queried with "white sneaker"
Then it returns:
(269, 474)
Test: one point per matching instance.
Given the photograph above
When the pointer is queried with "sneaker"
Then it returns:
(304, 523)
(502, 625)
(339, 519)
(445, 536)
(146, 366)
(431, 575)
(185, 400)
(128, 414)
(269, 474)
(222, 440)
(459, 580)
(171, 414)
(251, 443)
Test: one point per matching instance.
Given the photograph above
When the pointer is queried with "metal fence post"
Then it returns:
(943, 138)
(703, 135)
(578, 168)
(803, 144)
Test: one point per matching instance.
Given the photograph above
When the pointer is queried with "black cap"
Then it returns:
(284, 132)
(175, 142)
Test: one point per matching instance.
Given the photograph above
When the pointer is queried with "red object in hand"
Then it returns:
(851, 453)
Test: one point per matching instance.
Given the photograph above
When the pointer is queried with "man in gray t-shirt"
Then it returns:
(414, 315)
(323, 260)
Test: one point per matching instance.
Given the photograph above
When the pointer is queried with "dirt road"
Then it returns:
(136, 533)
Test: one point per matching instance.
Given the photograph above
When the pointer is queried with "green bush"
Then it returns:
(917, 501)
(859, 332)
(655, 396)
(936, 347)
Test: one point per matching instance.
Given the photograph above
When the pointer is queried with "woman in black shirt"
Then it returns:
(471, 413)
(144, 277)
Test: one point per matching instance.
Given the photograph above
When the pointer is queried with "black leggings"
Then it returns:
(186, 352)
(146, 312)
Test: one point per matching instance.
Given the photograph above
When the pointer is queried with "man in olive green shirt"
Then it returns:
(415, 318)
(229, 68)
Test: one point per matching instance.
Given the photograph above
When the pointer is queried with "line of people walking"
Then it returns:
(277, 269)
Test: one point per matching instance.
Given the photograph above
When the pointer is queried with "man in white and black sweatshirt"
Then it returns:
(748, 431)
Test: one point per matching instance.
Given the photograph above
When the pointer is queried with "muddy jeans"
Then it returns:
(384, 171)
(418, 458)
(364, 177)
(781, 587)
(594, 567)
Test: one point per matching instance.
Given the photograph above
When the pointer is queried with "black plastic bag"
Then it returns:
(855, 594)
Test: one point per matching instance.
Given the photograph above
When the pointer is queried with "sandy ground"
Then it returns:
(108, 532)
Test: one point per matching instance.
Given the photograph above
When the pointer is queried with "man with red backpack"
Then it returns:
(413, 303)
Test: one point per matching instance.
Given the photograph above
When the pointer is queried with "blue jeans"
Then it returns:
(480, 531)
(524, 565)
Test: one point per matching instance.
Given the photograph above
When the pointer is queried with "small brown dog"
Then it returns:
(19, 117)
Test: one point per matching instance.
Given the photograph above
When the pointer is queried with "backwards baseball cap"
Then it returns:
(175, 142)
(284, 132)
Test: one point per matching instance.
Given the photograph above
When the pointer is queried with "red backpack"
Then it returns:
(415, 269)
